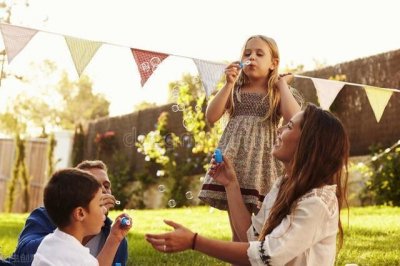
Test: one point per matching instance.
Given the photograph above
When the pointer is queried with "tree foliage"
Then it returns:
(383, 184)
(181, 156)
(79, 103)
(52, 102)
(143, 105)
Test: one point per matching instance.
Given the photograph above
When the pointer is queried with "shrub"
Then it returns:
(384, 176)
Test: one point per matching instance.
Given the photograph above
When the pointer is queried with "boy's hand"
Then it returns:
(118, 230)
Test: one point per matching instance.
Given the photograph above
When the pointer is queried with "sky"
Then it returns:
(329, 32)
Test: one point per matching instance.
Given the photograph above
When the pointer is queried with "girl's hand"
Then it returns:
(285, 78)
(223, 173)
(232, 72)
(178, 240)
(120, 231)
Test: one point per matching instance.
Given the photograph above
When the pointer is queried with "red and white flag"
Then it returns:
(147, 62)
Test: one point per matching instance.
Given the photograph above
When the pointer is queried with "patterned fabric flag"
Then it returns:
(82, 51)
(15, 39)
(378, 99)
(327, 90)
(210, 73)
(147, 62)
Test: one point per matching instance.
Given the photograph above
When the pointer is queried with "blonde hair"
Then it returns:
(273, 93)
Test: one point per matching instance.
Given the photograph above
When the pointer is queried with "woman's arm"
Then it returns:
(225, 174)
(183, 239)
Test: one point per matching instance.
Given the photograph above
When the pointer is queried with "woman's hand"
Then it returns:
(232, 72)
(223, 173)
(178, 240)
(118, 230)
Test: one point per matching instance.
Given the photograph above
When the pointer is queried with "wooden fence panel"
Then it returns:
(6, 162)
(36, 158)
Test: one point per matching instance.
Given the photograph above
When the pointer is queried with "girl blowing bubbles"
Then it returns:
(255, 97)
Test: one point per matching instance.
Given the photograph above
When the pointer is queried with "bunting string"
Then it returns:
(82, 51)
(348, 83)
(379, 155)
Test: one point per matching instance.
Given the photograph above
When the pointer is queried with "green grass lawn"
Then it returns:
(371, 238)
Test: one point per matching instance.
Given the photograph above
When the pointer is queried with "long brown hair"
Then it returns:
(273, 94)
(320, 159)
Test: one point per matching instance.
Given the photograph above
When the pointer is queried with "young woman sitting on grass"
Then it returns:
(299, 219)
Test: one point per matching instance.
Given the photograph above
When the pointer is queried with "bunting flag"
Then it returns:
(82, 51)
(147, 62)
(210, 73)
(378, 99)
(327, 90)
(15, 39)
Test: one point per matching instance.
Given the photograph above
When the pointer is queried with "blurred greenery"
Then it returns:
(55, 102)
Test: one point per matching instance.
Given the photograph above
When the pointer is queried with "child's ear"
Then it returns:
(275, 62)
(79, 214)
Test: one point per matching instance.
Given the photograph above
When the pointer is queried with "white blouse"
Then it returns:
(307, 236)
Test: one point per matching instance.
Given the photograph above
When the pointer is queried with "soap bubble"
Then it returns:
(171, 203)
(175, 93)
(198, 108)
(175, 108)
(161, 188)
(189, 195)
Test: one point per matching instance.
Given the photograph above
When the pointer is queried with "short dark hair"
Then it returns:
(66, 190)
(95, 164)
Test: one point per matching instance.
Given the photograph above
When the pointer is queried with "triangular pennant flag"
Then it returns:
(210, 73)
(82, 51)
(327, 90)
(378, 98)
(147, 62)
(15, 39)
